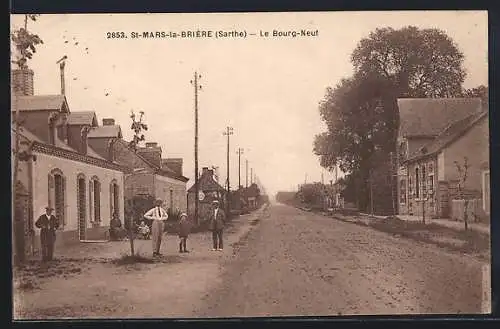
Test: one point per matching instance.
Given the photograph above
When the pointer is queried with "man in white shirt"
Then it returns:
(157, 215)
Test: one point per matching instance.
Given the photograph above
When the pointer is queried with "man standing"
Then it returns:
(217, 220)
(48, 224)
(157, 215)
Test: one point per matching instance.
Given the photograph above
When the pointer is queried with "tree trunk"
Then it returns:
(466, 220)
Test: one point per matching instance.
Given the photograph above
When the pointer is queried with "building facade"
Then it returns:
(150, 175)
(62, 171)
(428, 177)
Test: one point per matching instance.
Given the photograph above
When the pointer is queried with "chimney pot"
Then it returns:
(108, 122)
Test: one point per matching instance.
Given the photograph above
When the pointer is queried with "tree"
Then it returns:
(357, 122)
(361, 113)
(138, 126)
(420, 62)
(25, 44)
(463, 170)
(480, 92)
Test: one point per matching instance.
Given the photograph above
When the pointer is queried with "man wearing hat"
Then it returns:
(48, 224)
(217, 219)
(157, 215)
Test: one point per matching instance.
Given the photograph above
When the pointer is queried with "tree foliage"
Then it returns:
(25, 43)
(479, 91)
(138, 126)
(361, 112)
(420, 62)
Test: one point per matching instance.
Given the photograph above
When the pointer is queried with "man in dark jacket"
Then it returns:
(217, 219)
(48, 224)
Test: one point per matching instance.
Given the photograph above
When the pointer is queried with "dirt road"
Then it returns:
(298, 263)
(290, 262)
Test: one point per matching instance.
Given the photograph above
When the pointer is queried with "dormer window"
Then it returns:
(52, 125)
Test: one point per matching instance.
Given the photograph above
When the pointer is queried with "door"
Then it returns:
(81, 209)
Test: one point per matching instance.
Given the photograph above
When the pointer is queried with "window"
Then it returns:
(430, 183)
(114, 199)
(56, 194)
(81, 206)
(417, 182)
(410, 186)
(424, 182)
(95, 199)
(402, 191)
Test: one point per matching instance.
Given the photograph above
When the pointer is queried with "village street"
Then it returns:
(278, 261)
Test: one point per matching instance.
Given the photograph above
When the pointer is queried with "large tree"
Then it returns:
(421, 62)
(361, 112)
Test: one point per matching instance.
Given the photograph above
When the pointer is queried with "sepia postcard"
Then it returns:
(250, 164)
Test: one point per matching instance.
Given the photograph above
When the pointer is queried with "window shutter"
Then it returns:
(63, 195)
(97, 200)
(91, 205)
(50, 194)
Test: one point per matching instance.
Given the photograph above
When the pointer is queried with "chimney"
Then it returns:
(52, 131)
(84, 140)
(151, 153)
(21, 82)
(108, 122)
(174, 164)
(204, 171)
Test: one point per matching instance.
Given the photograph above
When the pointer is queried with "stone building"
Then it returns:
(60, 169)
(434, 135)
(150, 173)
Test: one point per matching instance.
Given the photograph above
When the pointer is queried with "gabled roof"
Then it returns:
(449, 135)
(82, 118)
(207, 183)
(156, 169)
(39, 103)
(69, 152)
(429, 116)
(105, 131)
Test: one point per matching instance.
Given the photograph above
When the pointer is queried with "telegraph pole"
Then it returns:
(228, 132)
(251, 176)
(196, 88)
(246, 169)
(240, 152)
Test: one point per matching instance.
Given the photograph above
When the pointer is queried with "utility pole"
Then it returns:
(240, 152)
(228, 132)
(251, 176)
(246, 161)
(197, 189)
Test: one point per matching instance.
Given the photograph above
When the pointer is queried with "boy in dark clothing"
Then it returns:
(184, 229)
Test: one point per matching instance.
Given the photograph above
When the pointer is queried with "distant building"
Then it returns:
(151, 175)
(63, 170)
(209, 190)
(434, 133)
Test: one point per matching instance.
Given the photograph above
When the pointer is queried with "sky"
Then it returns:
(266, 88)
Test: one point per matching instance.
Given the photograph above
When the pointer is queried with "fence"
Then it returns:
(475, 210)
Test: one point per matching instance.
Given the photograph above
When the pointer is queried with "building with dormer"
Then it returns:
(62, 170)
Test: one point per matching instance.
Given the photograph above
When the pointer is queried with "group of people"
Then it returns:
(48, 224)
(158, 215)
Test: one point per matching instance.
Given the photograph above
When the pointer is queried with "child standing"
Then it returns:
(184, 228)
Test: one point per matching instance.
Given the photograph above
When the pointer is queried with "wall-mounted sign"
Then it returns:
(201, 196)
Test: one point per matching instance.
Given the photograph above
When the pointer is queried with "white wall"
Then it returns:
(71, 169)
(163, 185)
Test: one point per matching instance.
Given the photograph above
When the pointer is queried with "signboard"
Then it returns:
(201, 196)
